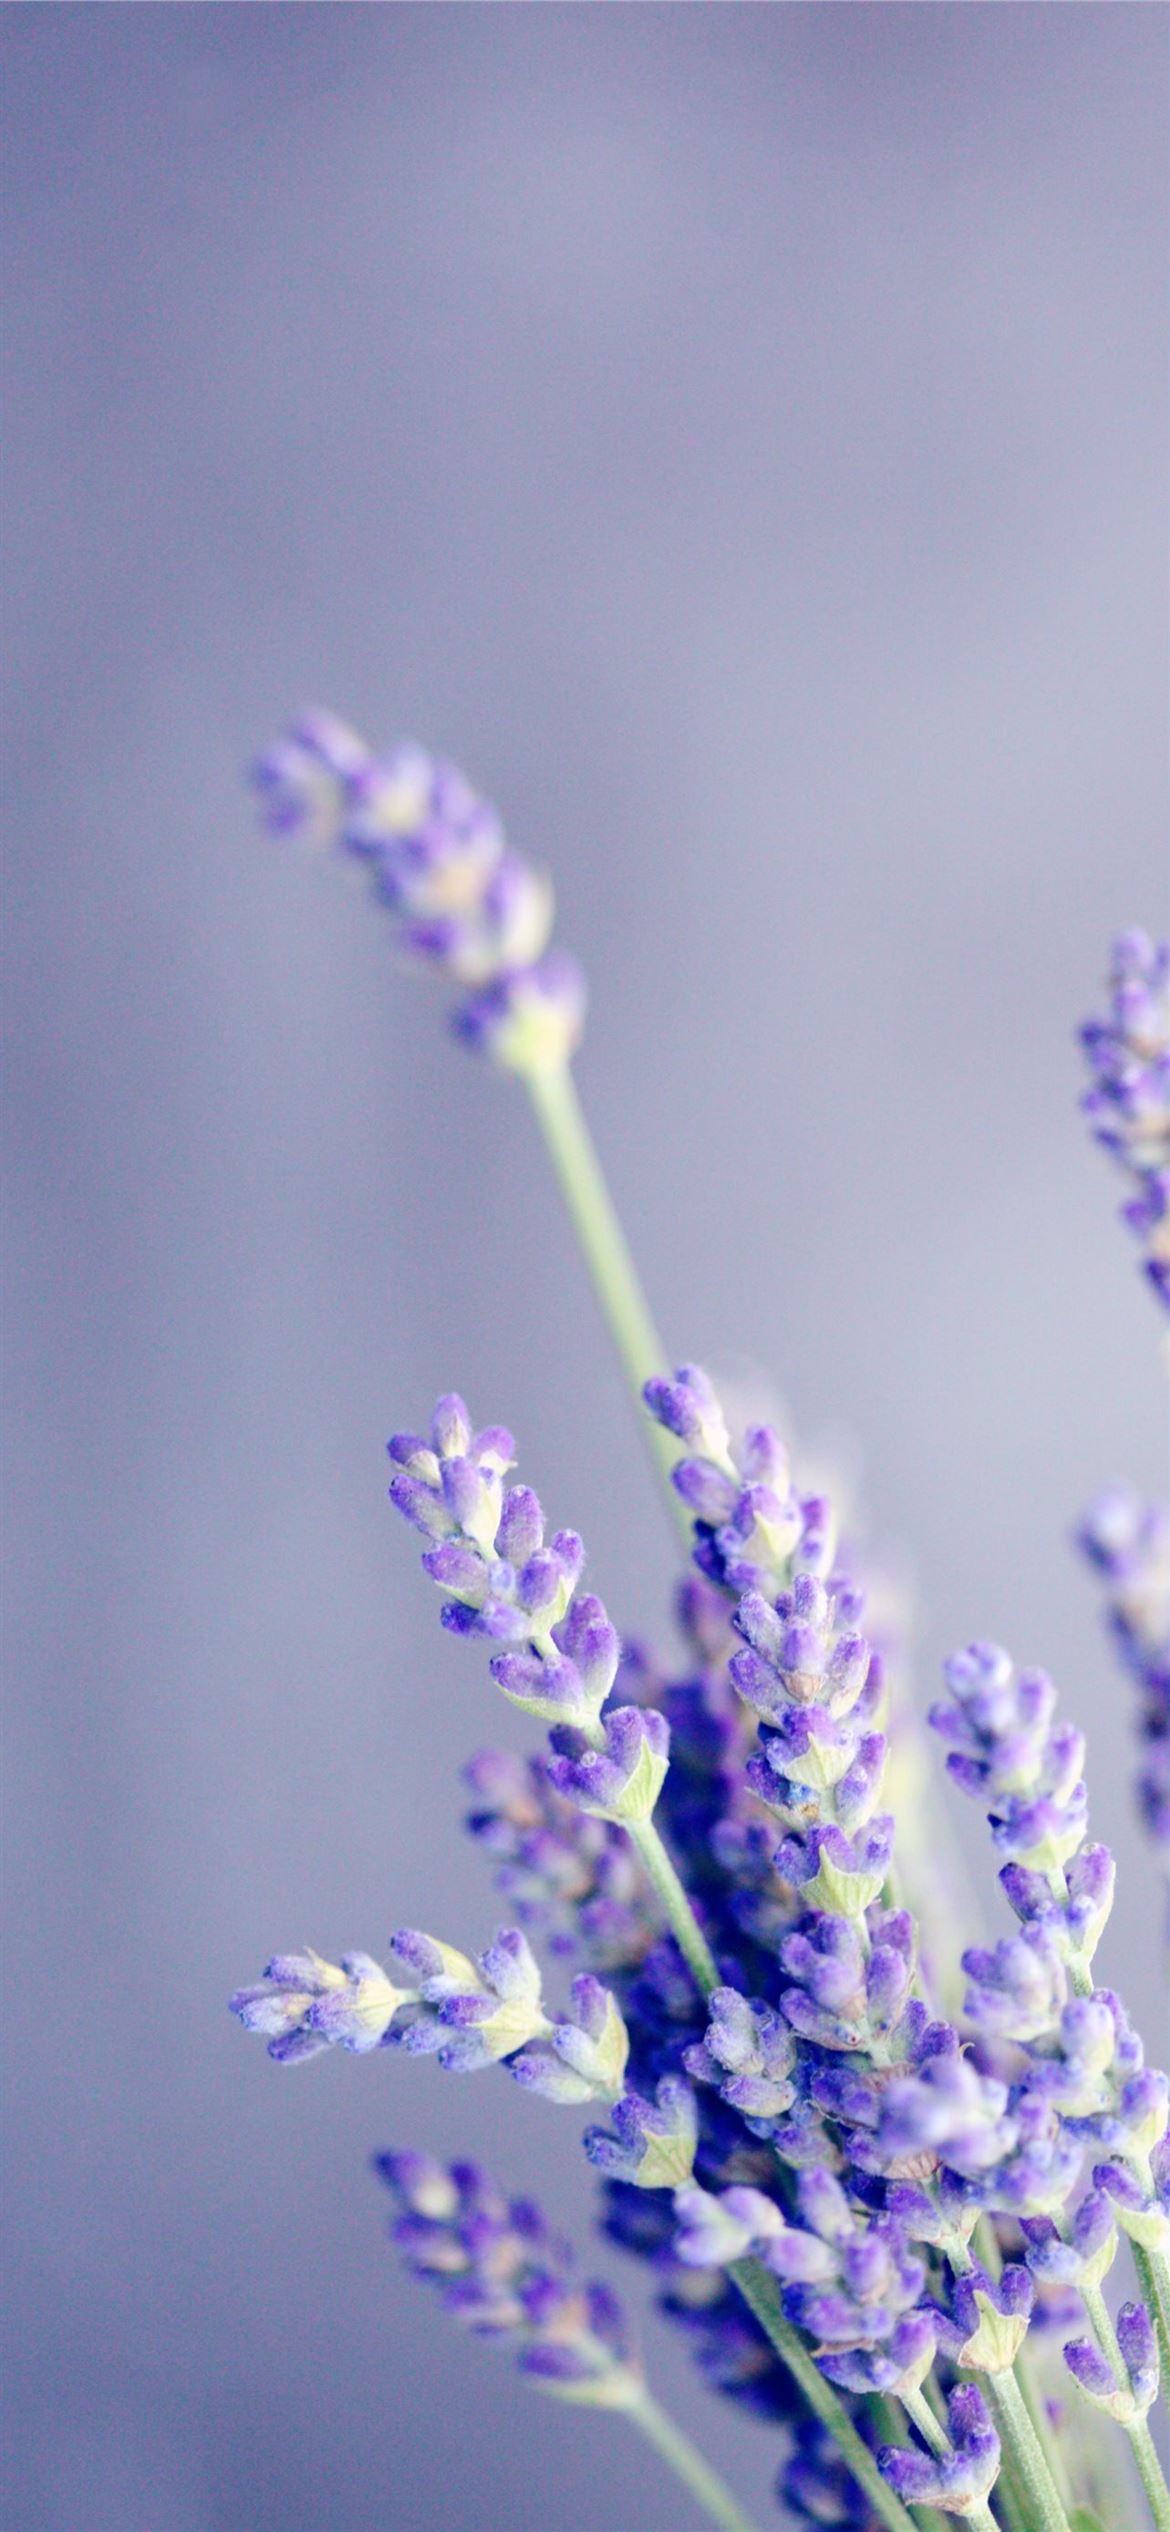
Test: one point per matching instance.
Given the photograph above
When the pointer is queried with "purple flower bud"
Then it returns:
(956, 2480)
(688, 1407)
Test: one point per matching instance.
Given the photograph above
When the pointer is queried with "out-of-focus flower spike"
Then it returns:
(1128, 1101)
(501, 2272)
(461, 901)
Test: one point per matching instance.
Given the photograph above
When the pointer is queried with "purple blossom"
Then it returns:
(471, 2014)
(1010, 1751)
(584, 2057)
(1128, 2398)
(461, 901)
(622, 1781)
(506, 1581)
(984, 2322)
(748, 2053)
(959, 2479)
(751, 1529)
(573, 1879)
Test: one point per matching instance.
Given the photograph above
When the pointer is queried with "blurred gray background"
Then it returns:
(738, 436)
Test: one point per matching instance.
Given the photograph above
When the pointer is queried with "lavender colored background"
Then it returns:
(738, 435)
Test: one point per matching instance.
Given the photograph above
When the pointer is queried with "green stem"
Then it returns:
(761, 2295)
(1145, 2454)
(680, 1917)
(919, 2409)
(1144, 2451)
(682, 2457)
(1029, 2460)
(1151, 2272)
(573, 1154)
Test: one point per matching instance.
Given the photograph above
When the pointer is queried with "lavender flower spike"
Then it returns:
(1128, 1103)
(1131, 2398)
(652, 2143)
(461, 901)
(304, 2004)
(749, 1525)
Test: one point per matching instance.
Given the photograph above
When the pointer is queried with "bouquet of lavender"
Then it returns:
(882, 2203)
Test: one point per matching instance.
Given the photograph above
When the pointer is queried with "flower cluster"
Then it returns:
(1128, 1103)
(849, 2201)
(1082, 2083)
(1128, 1544)
(462, 902)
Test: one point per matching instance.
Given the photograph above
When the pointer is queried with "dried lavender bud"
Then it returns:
(505, 1580)
(751, 1530)
(984, 2324)
(472, 2013)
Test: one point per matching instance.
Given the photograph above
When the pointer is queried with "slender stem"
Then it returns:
(936, 2437)
(680, 1916)
(573, 1154)
(1145, 2454)
(760, 2293)
(1029, 2459)
(682, 2457)
(1151, 2272)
